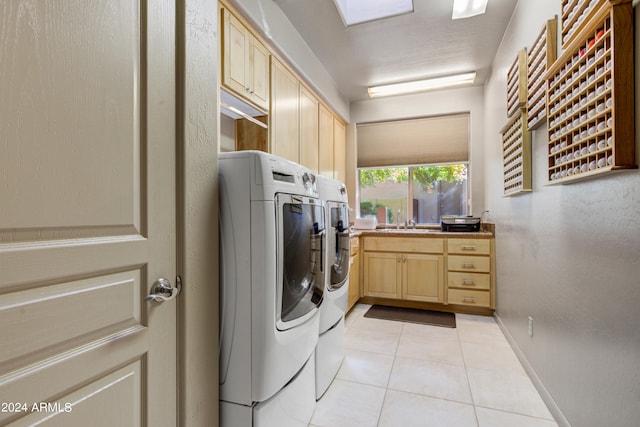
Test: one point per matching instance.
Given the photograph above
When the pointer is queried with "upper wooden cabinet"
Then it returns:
(245, 62)
(339, 150)
(309, 106)
(331, 145)
(300, 127)
(325, 142)
(284, 114)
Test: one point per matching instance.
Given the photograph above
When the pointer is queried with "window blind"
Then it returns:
(441, 139)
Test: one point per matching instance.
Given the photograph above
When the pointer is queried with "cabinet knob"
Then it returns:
(469, 248)
(468, 299)
(468, 265)
(468, 282)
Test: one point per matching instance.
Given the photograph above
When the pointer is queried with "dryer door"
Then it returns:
(339, 250)
(301, 244)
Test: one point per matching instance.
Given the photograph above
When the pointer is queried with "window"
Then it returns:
(423, 193)
(417, 166)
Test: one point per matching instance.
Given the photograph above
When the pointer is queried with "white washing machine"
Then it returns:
(272, 243)
(330, 348)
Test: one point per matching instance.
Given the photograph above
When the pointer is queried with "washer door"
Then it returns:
(301, 244)
(339, 251)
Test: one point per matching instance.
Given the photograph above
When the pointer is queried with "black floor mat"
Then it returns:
(412, 315)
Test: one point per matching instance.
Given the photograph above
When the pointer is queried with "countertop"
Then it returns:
(425, 232)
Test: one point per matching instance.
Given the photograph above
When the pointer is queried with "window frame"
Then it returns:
(410, 186)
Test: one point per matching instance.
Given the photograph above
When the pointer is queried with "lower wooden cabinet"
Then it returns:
(470, 272)
(399, 275)
(354, 273)
(423, 277)
(382, 274)
(448, 271)
(467, 297)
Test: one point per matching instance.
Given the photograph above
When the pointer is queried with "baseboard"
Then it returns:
(537, 383)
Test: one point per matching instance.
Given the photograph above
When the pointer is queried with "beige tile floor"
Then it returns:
(399, 374)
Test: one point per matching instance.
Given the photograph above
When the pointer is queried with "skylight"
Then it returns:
(358, 11)
(468, 8)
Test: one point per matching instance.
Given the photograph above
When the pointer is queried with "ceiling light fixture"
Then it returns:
(468, 8)
(358, 11)
(422, 85)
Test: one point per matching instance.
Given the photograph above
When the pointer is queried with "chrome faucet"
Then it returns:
(412, 223)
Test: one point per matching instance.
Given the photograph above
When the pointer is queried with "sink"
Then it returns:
(407, 230)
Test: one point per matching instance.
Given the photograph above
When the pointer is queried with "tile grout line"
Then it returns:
(393, 364)
(466, 374)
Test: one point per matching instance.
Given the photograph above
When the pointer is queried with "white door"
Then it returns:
(87, 212)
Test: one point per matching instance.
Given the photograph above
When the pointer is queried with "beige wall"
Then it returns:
(197, 212)
(568, 256)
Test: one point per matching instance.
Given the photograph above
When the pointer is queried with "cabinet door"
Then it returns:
(382, 274)
(308, 129)
(283, 128)
(354, 280)
(423, 277)
(339, 150)
(325, 141)
(235, 58)
(259, 73)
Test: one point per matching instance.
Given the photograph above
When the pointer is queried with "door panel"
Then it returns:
(121, 389)
(283, 126)
(308, 129)
(424, 278)
(325, 141)
(382, 275)
(72, 74)
(87, 100)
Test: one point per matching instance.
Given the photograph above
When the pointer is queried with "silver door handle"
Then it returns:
(161, 290)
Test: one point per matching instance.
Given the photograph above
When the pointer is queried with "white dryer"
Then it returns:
(330, 348)
(272, 243)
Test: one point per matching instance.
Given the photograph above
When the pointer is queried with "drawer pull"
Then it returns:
(469, 248)
(468, 265)
(468, 282)
(468, 299)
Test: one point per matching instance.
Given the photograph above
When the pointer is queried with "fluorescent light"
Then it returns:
(422, 85)
(358, 11)
(468, 8)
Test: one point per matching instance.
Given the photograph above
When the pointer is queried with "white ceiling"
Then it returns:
(422, 44)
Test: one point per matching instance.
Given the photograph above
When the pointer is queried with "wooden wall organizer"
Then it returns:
(590, 98)
(542, 54)
(576, 14)
(517, 84)
(516, 155)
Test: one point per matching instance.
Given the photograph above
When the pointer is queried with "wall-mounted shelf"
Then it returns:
(576, 14)
(517, 84)
(542, 54)
(590, 99)
(516, 155)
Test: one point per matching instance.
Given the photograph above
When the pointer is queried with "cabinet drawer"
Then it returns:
(466, 297)
(404, 244)
(479, 264)
(469, 280)
(469, 246)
